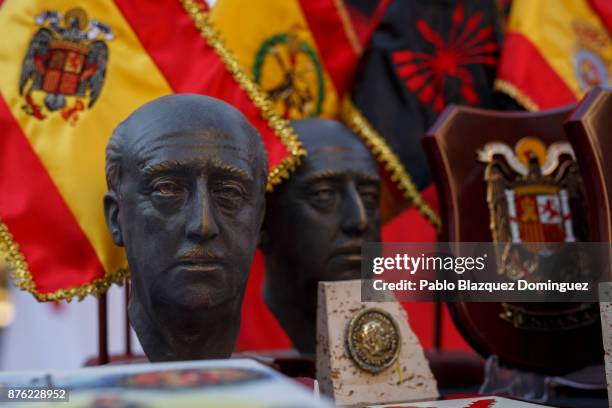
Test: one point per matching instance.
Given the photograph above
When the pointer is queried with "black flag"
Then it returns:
(425, 55)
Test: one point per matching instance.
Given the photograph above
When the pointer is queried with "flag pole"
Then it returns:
(128, 334)
(102, 331)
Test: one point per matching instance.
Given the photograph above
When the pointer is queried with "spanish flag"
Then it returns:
(554, 52)
(70, 71)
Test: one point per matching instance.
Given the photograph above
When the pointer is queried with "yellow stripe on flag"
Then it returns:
(73, 154)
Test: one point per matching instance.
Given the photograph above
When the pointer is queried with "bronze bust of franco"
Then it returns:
(316, 223)
(186, 177)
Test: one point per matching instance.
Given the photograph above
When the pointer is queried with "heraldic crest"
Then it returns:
(288, 69)
(537, 206)
(65, 65)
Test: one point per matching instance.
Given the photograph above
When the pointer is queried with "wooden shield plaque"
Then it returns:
(512, 178)
(589, 129)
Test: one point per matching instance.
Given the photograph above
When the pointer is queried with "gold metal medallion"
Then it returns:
(373, 340)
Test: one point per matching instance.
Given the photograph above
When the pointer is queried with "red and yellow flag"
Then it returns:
(554, 52)
(70, 71)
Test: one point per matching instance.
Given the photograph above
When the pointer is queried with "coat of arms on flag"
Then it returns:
(590, 60)
(536, 202)
(287, 67)
(65, 64)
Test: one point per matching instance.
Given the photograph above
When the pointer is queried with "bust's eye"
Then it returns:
(322, 195)
(229, 194)
(167, 188)
(370, 196)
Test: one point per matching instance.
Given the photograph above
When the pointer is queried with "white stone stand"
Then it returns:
(408, 379)
(605, 308)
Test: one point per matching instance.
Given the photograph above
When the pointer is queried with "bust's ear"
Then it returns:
(111, 213)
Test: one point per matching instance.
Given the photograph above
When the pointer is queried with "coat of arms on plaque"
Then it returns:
(536, 203)
(64, 67)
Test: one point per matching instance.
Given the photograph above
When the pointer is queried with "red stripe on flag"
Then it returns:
(522, 65)
(365, 25)
(604, 9)
(189, 64)
(57, 251)
(337, 53)
(259, 329)
(410, 226)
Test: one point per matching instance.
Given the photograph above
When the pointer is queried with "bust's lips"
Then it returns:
(211, 273)
(200, 266)
(345, 262)
(349, 253)
(200, 263)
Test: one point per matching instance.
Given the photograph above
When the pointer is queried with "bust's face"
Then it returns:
(190, 201)
(190, 218)
(320, 219)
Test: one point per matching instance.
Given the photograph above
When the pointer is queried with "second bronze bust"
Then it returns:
(316, 223)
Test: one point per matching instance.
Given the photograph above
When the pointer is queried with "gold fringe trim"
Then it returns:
(279, 125)
(23, 278)
(354, 119)
(512, 91)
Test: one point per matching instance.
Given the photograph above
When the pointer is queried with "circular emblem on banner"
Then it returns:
(288, 69)
(590, 70)
(373, 340)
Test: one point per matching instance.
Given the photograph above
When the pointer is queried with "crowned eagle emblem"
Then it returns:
(537, 206)
(65, 65)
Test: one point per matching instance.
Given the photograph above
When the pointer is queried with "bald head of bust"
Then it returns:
(316, 223)
(186, 177)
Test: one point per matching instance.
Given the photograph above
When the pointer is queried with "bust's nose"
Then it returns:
(354, 216)
(202, 223)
